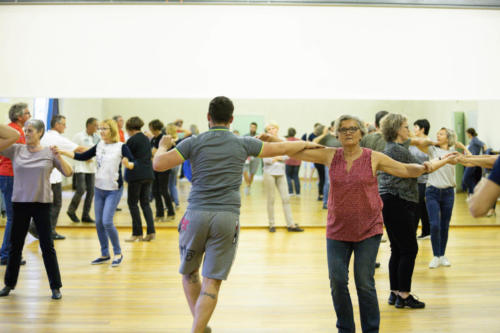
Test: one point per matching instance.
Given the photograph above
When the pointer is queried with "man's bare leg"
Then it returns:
(205, 305)
(192, 287)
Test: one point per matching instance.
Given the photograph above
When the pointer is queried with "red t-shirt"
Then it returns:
(5, 163)
(122, 135)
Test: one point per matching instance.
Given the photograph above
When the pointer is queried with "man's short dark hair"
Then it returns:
(291, 132)
(378, 117)
(56, 119)
(156, 125)
(221, 110)
(90, 121)
(134, 124)
(425, 124)
(254, 123)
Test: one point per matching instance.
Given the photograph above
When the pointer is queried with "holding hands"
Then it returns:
(167, 142)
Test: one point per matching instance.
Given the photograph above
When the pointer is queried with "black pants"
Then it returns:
(55, 207)
(84, 182)
(138, 191)
(321, 175)
(399, 220)
(40, 212)
(422, 214)
(161, 195)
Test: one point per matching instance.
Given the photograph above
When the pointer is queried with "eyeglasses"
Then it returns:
(103, 128)
(350, 130)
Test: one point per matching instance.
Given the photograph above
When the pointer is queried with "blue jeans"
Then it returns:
(472, 176)
(439, 204)
(339, 255)
(326, 187)
(172, 185)
(6, 186)
(105, 203)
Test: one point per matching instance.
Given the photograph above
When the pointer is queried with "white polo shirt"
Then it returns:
(54, 138)
(85, 140)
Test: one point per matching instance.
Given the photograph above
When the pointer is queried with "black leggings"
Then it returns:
(161, 195)
(40, 212)
(399, 220)
(321, 175)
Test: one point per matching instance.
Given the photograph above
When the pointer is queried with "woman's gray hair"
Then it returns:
(345, 117)
(450, 134)
(16, 111)
(390, 126)
(37, 124)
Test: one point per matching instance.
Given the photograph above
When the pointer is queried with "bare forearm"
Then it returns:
(67, 170)
(484, 161)
(414, 170)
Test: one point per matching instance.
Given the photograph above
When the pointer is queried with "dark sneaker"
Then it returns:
(409, 302)
(377, 265)
(87, 219)
(295, 229)
(56, 294)
(272, 229)
(5, 291)
(392, 298)
(100, 260)
(57, 236)
(424, 236)
(73, 217)
(117, 262)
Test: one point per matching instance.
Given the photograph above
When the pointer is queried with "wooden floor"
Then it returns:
(306, 210)
(279, 283)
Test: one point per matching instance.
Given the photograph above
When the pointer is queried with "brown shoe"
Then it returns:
(149, 237)
(133, 239)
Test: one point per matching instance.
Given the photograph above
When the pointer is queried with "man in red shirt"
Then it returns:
(18, 114)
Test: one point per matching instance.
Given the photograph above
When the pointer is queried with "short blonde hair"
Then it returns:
(171, 129)
(390, 126)
(271, 124)
(450, 134)
(113, 130)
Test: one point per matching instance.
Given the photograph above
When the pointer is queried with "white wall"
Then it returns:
(278, 52)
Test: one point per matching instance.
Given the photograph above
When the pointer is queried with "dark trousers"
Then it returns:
(55, 207)
(40, 212)
(84, 182)
(292, 174)
(399, 220)
(321, 175)
(472, 176)
(161, 195)
(422, 214)
(138, 191)
(339, 255)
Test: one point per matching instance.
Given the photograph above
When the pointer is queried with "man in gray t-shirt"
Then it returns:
(210, 226)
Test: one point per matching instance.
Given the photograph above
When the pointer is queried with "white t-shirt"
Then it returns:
(445, 176)
(109, 158)
(89, 141)
(54, 138)
(274, 169)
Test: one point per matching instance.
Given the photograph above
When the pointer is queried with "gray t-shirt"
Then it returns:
(374, 141)
(330, 141)
(445, 176)
(31, 173)
(421, 157)
(217, 159)
(405, 188)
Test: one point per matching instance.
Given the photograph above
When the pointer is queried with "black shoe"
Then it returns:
(5, 291)
(87, 219)
(392, 298)
(272, 229)
(4, 262)
(295, 229)
(56, 294)
(118, 209)
(73, 217)
(377, 265)
(56, 236)
(409, 302)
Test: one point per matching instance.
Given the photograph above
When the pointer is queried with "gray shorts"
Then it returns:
(213, 233)
(252, 166)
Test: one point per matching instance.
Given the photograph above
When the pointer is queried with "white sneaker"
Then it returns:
(434, 262)
(443, 261)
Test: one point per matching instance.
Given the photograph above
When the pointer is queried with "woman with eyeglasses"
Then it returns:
(110, 154)
(31, 198)
(354, 222)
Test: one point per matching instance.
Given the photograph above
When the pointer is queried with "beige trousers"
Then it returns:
(280, 183)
